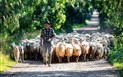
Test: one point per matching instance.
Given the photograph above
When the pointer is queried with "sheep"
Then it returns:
(85, 49)
(100, 51)
(105, 53)
(76, 51)
(69, 45)
(28, 51)
(60, 50)
(54, 57)
(33, 51)
(110, 39)
(24, 44)
(92, 50)
(76, 48)
(15, 51)
(21, 49)
(68, 51)
(18, 52)
(39, 50)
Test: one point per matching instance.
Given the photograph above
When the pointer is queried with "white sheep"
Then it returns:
(85, 49)
(76, 51)
(21, 49)
(18, 52)
(93, 49)
(68, 51)
(100, 51)
(60, 50)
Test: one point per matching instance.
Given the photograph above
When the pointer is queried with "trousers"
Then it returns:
(47, 54)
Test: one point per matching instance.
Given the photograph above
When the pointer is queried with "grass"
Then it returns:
(119, 66)
(77, 25)
(5, 62)
(116, 59)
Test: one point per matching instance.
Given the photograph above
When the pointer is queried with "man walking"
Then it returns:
(47, 35)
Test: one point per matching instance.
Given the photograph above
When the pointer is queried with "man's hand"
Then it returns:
(49, 39)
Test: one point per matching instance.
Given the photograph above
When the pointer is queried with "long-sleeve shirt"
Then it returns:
(47, 34)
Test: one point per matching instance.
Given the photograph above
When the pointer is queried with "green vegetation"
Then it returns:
(78, 25)
(5, 62)
(116, 54)
(116, 59)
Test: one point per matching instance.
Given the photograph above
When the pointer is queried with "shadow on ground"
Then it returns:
(101, 73)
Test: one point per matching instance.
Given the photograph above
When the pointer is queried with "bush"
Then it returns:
(116, 59)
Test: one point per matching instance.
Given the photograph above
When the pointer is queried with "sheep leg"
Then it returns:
(30, 55)
(22, 57)
(68, 59)
(36, 55)
(91, 57)
(15, 56)
(85, 57)
(25, 56)
(97, 57)
(60, 59)
(53, 58)
(77, 58)
(105, 55)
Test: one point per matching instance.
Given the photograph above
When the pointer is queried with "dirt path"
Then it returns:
(99, 68)
(82, 69)
(92, 25)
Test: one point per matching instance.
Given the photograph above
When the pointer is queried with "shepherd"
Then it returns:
(47, 34)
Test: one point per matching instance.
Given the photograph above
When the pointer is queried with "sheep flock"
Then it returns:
(70, 47)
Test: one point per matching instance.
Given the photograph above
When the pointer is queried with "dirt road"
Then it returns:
(99, 68)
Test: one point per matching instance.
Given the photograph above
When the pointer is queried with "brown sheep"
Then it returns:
(68, 51)
(54, 57)
(85, 49)
(76, 51)
(15, 51)
(60, 50)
